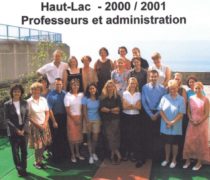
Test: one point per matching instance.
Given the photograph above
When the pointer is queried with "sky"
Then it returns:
(87, 39)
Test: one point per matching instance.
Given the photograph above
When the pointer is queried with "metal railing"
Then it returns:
(27, 34)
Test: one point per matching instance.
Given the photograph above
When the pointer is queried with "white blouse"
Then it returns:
(131, 99)
(17, 107)
(74, 102)
(37, 109)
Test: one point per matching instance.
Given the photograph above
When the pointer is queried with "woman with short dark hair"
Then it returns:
(17, 118)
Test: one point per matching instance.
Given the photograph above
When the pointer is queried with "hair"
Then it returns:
(58, 79)
(70, 59)
(36, 85)
(73, 81)
(105, 92)
(180, 75)
(88, 57)
(172, 83)
(199, 83)
(137, 84)
(155, 55)
(43, 78)
(103, 49)
(189, 78)
(154, 71)
(87, 92)
(136, 58)
(16, 87)
(136, 49)
(122, 47)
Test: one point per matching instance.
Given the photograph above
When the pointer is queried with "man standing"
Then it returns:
(58, 121)
(54, 69)
(151, 95)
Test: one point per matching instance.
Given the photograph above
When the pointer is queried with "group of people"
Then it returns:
(136, 110)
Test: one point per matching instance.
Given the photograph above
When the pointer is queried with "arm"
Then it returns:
(144, 102)
(52, 118)
(178, 117)
(168, 77)
(184, 95)
(46, 119)
(206, 112)
(164, 117)
(64, 80)
(126, 105)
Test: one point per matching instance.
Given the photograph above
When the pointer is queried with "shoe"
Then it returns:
(43, 166)
(95, 157)
(186, 165)
(91, 160)
(80, 158)
(196, 168)
(139, 164)
(172, 165)
(164, 163)
(73, 159)
(37, 165)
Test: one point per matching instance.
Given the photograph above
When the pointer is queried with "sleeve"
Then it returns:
(50, 102)
(42, 70)
(66, 100)
(46, 105)
(144, 102)
(112, 74)
(119, 102)
(7, 121)
(84, 100)
(26, 125)
(160, 106)
(182, 106)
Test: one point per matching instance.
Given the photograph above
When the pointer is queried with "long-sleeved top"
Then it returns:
(151, 96)
(12, 119)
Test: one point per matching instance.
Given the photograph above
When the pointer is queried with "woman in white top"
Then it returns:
(73, 104)
(164, 71)
(39, 115)
(130, 122)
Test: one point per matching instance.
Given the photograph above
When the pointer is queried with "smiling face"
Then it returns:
(191, 83)
(110, 88)
(57, 56)
(122, 52)
(92, 90)
(136, 53)
(198, 88)
(103, 54)
(73, 62)
(16, 94)
(36, 92)
(153, 77)
(157, 61)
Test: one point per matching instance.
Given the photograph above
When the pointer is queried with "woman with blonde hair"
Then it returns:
(196, 139)
(172, 108)
(110, 106)
(39, 115)
(131, 123)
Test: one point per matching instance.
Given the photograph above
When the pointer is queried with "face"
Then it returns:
(110, 88)
(198, 89)
(122, 52)
(136, 53)
(120, 63)
(73, 62)
(75, 87)
(86, 61)
(136, 63)
(92, 90)
(153, 78)
(44, 84)
(133, 84)
(36, 92)
(191, 83)
(178, 79)
(173, 90)
(16, 94)
(57, 56)
(103, 54)
(157, 61)
(58, 85)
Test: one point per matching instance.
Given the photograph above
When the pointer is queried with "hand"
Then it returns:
(20, 133)
(55, 124)
(154, 117)
(77, 120)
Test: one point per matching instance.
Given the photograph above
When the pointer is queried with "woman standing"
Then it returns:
(172, 108)
(45, 84)
(163, 70)
(17, 118)
(120, 76)
(110, 106)
(131, 123)
(73, 72)
(196, 140)
(91, 116)
(39, 115)
(103, 68)
(73, 104)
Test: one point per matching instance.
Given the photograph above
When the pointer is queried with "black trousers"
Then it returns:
(59, 147)
(153, 143)
(19, 151)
